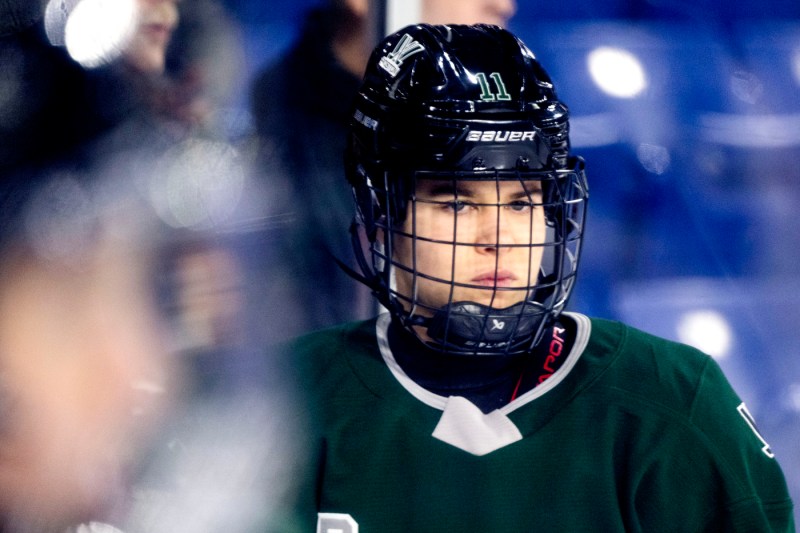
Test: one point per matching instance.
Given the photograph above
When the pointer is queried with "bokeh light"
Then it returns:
(197, 184)
(617, 71)
(794, 397)
(97, 31)
(796, 65)
(706, 330)
(653, 157)
(746, 86)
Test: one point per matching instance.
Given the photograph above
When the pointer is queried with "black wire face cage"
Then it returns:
(476, 262)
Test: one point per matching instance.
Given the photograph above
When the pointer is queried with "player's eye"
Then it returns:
(520, 206)
(457, 206)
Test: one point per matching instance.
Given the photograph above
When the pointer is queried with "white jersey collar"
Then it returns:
(462, 424)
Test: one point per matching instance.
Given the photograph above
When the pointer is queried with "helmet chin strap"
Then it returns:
(472, 328)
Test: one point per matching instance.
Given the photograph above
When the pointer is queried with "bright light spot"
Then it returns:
(653, 157)
(97, 31)
(794, 396)
(197, 185)
(707, 331)
(796, 65)
(616, 71)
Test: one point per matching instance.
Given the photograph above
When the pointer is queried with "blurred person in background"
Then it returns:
(117, 218)
(106, 417)
(84, 374)
(301, 106)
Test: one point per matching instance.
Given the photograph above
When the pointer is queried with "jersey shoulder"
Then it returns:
(651, 368)
(330, 343)
(685, 394)
(331, 361)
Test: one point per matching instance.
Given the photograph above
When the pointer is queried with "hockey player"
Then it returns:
(475, 403)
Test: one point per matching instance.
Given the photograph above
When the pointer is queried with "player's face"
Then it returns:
(468, 11)
(82, 371)
(157, 20)
(480, 240)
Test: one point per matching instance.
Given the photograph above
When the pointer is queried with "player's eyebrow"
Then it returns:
(527, 192)
(460, 189)
(446, 188)
(521, 195)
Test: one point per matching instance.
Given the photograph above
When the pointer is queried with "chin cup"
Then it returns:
(474, 328)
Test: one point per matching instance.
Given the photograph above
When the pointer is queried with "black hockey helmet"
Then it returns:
(456, 103)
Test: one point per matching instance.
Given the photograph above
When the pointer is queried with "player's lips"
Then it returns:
(498, 278)
(157, 32)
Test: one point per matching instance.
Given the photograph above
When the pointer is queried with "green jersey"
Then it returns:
(631, 433)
